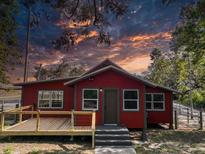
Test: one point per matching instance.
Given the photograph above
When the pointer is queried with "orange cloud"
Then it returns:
(135, 64)
(147, 37)
(81, 38)
(72, 24)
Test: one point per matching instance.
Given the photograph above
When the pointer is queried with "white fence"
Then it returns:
(188, 118)
(7, 103)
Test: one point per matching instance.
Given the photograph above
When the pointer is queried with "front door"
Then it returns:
(110, 106)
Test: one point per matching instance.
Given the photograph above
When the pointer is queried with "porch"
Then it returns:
(45, 123)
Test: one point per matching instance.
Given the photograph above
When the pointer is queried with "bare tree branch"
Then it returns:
(95, 11)
(73, 11)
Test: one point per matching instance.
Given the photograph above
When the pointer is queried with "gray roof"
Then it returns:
(146, 82)
(43, 81)
(9, 87)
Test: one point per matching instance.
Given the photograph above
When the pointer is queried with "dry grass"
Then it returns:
(172, 142)
(45, 145)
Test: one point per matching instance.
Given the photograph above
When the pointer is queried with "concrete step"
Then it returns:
(111, 130)
(113, 142)
(112, 137)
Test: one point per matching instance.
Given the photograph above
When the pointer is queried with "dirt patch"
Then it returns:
(45, 145)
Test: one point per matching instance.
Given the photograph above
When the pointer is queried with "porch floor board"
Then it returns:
(47, 124)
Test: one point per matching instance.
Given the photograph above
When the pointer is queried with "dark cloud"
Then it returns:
(146, 25)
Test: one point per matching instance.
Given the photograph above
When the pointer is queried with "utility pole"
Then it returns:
(27, 41)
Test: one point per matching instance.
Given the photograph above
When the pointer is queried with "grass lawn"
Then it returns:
(173, 142)
(45, 145)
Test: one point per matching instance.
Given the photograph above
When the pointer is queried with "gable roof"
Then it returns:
(111, 67)
(8, 87)
(44, 81)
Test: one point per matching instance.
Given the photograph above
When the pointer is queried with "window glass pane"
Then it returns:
(158, 97)
(57, 103)
(90, 94)
(60, 95)
(130, 94)
(43, 103)
(46, 94)
(54, 94)
(130, 104)
(148, 105)
(148, 97)
(50, 98)
(158, 105)
(90, 104)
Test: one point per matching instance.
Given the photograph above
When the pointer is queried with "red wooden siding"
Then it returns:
(30, 93)
(107, 79)
(112, 79)
(161, 116)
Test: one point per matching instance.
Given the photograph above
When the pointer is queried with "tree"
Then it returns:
(62, 70)
(184, 65)
(9, 54)
(160, 70)
(189, 45)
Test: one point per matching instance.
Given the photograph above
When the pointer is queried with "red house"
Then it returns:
(117, 96)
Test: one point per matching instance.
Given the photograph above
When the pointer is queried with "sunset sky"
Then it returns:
(147, 25)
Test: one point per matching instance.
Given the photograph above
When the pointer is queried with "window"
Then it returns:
(155, 101)
(50, 99)
(90, 99)
(130, 100)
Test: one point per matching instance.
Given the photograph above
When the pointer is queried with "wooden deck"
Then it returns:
(37, 123)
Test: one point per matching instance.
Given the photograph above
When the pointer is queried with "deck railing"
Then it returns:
(72, 130)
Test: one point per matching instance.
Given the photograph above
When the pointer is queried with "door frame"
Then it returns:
(118, 105)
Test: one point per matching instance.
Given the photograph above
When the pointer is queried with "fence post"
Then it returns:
(201, 120)
(187, 115)
(93, 128)
(17, 106)
(20, 115)
(38, 121)
(32, 109)
(175, 119)
(2, 121)
(72, 119)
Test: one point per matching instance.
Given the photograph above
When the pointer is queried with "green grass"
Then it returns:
(173, 142)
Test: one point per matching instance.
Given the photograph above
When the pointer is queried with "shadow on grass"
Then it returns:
(192, 137)
(64, 150)
(45, 139)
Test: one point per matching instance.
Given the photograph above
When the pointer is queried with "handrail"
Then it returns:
(38, 113)
(10, 111)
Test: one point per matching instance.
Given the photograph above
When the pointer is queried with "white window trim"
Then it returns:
(90, 109)
(152, 102)
(50, 104)
(136, 90)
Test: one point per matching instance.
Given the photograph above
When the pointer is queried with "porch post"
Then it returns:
(172, 114)
(144, 135)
